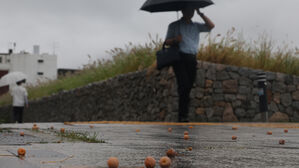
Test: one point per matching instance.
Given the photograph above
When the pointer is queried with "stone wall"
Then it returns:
(221, 93)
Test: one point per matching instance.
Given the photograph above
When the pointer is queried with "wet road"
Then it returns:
(212, 146)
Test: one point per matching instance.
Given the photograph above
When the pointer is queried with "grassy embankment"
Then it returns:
(227, 49)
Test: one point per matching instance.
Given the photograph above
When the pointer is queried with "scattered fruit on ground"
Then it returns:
(21, 152)
(269, 133)
(234, 137)
(62, 130)
(34, 125)
(190, 148)
(281, 142)
(186, 137)
(190, 127)
(112, 162)
(286, 131)
(35, 128)
(171, 153)
(169, 129)
(186, 133)
(150, 162)
(165, 162)
(137, 130)
(51, 127)
(234, 128)
(22, 134)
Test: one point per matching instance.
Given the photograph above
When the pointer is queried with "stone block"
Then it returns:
(244, 72)
(218, 97)
(228, 114)
(211, 74)
(229, 97)
(273, 107)
(244, 90)
(291, 88)
(209, 83)
(240, 112)
(217, 85)
(245, 81)
(286, 99)
(276, 98)
(234, 75)
(295, 95)
(230, 86)
(200, 111)
(223, 75)
(200, 78)
(236, 103)
(278, 87)
(295, 105)
(279, 117)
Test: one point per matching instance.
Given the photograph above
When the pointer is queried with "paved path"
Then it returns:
(212, 145)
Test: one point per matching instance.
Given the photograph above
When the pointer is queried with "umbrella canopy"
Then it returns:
(12, 78)
(173, 5)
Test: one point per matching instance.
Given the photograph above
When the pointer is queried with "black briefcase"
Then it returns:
(167, 56)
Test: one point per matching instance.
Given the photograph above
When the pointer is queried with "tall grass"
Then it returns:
(229, 49)
(232, 49)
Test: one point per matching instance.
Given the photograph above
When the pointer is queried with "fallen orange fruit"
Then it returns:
(35, 128)
(269, 132)
(62, 130)
(22, 134)
(234, 138)
(137, 130)
(190, 148)
(34, 125)
(21, 152)
(150, 162)
(234, 128)
(51, 127)
(165, 162)
(169, 129)
(171, 153)
(286, 131)
(186, 137)
(281, 142)
(186, 133)
(112, 162)
(190, 127)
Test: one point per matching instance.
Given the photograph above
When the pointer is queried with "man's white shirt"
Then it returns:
(19, 94)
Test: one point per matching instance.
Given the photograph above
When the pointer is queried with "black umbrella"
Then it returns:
(173, 5)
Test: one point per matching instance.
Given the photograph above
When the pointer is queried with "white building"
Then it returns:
(38, 67)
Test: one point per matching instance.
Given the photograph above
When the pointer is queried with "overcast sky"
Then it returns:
(74, 29)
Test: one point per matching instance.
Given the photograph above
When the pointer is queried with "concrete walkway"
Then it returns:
(212, 145)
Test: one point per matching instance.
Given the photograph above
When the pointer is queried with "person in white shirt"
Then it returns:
(19, 96)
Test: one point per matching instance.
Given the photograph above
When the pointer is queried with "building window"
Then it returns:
(40, 61)
(40, 73)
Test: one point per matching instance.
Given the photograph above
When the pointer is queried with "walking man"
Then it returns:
(185, 34)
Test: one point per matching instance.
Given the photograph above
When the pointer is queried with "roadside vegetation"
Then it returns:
(229, 49)
(81, 136)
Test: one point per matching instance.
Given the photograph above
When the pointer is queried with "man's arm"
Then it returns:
(207, 21)
(174, 40)
(171, 36)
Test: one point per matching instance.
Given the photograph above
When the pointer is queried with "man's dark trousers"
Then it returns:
(185, 72)
(18, 114)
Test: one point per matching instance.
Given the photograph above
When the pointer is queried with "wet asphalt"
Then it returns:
(212, 146)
